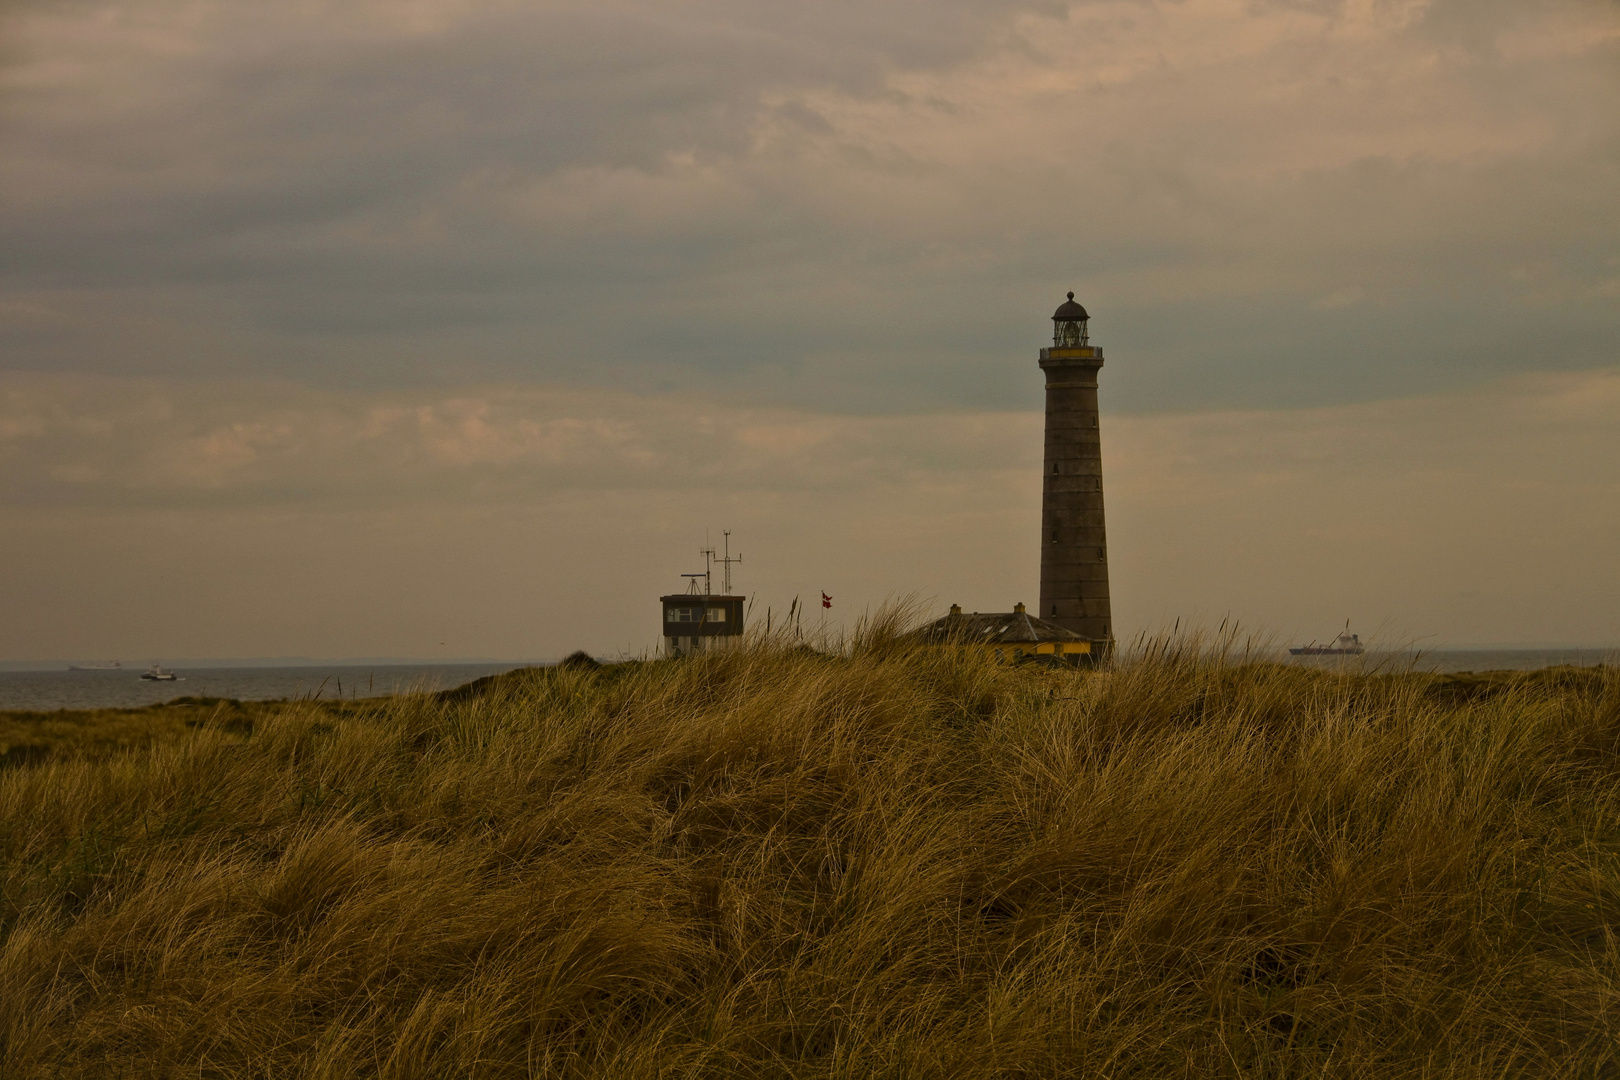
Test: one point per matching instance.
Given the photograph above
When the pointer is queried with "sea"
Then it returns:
(48, 691)
(1451, 661)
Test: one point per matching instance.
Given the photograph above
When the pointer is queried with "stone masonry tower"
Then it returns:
(1074, 545)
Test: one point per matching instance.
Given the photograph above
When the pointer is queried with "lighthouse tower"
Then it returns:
(1074, 544)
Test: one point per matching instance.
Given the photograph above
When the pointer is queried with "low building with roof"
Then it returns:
(1010, 636)
(701, 620)
(697, 622)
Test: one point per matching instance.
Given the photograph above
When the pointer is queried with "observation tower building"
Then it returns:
(1074, 542)
(701, 620)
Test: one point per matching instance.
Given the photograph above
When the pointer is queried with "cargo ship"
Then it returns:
(1346, 644)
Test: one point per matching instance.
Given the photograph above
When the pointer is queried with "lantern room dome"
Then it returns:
(1069, 311)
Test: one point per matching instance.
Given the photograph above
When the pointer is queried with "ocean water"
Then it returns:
(1454, 660)
(123, 689)
(50, 690)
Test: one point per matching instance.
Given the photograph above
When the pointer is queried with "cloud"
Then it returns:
(155, 444)
(855, 207)
(290, 521)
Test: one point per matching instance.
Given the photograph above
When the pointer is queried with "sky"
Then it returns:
(454, 328)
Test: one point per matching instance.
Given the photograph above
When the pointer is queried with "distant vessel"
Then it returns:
(114, 666)
(157, 674)
(1346, 644)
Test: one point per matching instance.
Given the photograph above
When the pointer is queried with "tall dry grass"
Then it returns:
(886, 863)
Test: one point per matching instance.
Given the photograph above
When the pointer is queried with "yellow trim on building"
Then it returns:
(1015, 649)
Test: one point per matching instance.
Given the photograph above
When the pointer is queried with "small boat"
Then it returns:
(1346, 644)
(157, 674)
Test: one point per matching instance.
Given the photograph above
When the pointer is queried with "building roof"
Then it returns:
(1069, 311)
(1011, 628)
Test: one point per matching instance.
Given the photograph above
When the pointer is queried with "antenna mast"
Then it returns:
(708, 567)
(727, 561)
(712, 559)
(715, 559)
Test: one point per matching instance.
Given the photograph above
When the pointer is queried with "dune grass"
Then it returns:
(777, 863)
(27, 737)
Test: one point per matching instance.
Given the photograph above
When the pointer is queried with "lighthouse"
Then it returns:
(1074, 543)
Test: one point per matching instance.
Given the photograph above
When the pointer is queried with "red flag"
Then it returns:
(826, 601)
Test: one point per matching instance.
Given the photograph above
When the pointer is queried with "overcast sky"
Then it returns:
(448, 328)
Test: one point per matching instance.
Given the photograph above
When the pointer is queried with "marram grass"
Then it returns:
(774, 863)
